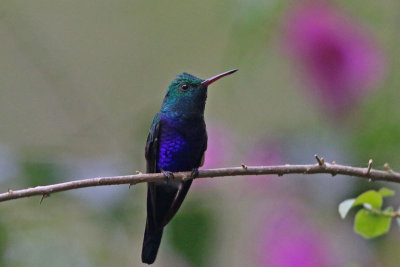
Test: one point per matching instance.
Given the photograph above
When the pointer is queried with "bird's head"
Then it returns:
(188, 94)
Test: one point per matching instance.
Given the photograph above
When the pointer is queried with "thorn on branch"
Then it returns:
(244, 166)
(333, 173)
(369, 166)
(321, 161)
(387, 167)
(138, 172)
(9, 191)
(45, 195)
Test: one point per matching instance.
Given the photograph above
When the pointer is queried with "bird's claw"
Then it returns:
(195, 173)
(168, 175)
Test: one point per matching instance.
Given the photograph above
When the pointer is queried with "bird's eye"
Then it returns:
(184, 86)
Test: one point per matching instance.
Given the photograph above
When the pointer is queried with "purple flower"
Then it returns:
(287, 239)
(337, 58)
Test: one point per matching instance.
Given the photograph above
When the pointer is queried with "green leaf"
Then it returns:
(385, 192)
(371, 197)
(370, 225)
(345, 207)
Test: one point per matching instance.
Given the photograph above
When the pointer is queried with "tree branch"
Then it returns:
(387, 175)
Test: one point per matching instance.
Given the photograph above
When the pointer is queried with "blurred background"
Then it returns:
(80, 82)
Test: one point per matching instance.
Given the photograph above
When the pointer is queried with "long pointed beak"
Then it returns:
(217, 77)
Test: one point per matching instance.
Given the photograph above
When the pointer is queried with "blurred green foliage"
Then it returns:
(83, 80)
(195, 223)
(40, 173)
(3, 241)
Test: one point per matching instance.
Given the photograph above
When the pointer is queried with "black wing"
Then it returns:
(152, 145)
(153, 232)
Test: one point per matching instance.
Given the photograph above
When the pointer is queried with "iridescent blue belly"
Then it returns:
(181, 144)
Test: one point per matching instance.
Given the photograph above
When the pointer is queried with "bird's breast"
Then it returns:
(181, 145)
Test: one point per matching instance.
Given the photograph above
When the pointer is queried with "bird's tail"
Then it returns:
(151, 243)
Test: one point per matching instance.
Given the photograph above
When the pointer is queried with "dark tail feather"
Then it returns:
(151, 243)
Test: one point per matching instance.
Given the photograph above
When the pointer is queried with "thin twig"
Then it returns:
(387, 175)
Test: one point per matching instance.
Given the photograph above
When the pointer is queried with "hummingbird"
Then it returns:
(176, 142)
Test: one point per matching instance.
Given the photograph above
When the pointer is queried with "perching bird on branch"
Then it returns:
(176, 142)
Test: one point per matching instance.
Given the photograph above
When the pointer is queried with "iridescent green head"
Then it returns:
(187, 94)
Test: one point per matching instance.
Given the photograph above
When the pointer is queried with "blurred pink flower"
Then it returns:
(219, 147)
(338, 59)
(263, 154)
(218, 154)
(288, 239)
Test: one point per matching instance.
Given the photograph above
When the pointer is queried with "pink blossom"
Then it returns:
(336, 56)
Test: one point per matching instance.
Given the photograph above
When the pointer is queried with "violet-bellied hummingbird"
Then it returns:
(176, 142)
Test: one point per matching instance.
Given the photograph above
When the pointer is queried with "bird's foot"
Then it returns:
(195, 173)
(168, 175)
